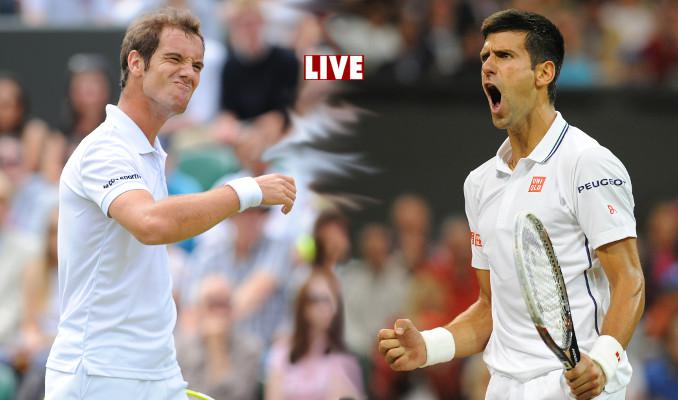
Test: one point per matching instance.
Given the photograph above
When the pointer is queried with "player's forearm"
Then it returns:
(177, 218)
(472, 328)
(626, 307)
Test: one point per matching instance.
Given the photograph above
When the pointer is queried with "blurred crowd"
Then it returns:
(608, 42)
(288, 307)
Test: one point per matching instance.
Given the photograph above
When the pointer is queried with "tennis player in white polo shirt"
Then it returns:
(581, 192)
(117, 312)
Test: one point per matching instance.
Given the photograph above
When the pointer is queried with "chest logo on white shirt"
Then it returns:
(537, 183)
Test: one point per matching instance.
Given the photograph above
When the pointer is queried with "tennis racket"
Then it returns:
(543, 288)
(192, 394)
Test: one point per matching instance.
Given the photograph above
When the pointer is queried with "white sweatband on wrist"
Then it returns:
(248, 191)
(607, 352)
(440, 346)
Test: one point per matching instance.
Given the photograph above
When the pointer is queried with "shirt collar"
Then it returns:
(131, 131)
(545, 149)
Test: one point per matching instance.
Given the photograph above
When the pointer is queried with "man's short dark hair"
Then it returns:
(144, 35)
(543, 42)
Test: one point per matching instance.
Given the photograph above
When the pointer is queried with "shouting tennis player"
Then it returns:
(581, 192)
(117, 312)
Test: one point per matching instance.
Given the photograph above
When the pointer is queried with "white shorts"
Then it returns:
(66, 386)
(546, 387)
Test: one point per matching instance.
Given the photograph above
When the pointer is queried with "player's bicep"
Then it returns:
(130, 209)
(620, 261)
(485, 293)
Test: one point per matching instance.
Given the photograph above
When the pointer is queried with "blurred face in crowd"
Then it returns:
(214, 306)
(10, 159)
(411, 215)
(375, 245)
(249, 225)
(173, 72)
(245, 31)
(513, 88)
(663, 227)
(320, 305)
(89, 91)
(11, 109)
(335, 240)
(456, 238)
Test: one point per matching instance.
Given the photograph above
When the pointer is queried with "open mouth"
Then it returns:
(494, 96)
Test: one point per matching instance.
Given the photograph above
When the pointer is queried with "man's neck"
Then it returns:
(527, 134)
(140, 109)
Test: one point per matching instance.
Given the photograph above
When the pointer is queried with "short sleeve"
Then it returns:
(479, 259)
(107, 171)
(603, 198)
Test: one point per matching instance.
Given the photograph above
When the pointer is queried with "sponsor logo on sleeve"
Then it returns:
(600, 183)
(475, 239)
(110, 182)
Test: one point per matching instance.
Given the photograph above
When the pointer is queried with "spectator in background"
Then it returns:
(579, 69)
(66, 12)
(411, 219)
(215, 359)
(630, 23)
(660, 56)
(314, 363)
(14, 122)
(16, 250)
(332, 244)
(12, 106)
(259, 84)
(88, 93)
(661, 373)
(441, 289)
(373, 290)
(256, 266)
(41, 314)
(662, 248)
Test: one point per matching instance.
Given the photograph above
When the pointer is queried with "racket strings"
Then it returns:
(544, 286)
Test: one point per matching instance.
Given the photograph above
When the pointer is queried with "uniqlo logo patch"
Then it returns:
(537, 183)
(475, 240)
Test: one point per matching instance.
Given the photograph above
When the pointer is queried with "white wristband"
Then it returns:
(248, 191)
(607, 352)
(440, 346)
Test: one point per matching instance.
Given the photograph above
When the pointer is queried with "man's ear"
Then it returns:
(135, 63)
(545, 73)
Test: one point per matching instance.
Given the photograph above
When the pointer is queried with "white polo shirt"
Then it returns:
(117, 311)
(582, 194)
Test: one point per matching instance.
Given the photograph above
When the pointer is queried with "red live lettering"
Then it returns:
(333, 67)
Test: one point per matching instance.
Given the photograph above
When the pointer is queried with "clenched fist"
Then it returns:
(277, 189)
(586, 380)
(403, 346)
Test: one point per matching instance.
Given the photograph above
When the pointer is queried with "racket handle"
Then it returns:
(575, 356)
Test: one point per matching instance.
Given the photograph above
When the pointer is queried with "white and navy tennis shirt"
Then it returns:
(117, 310)
(582, 194)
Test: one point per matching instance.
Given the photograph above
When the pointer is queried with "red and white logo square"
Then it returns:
(475, 240)
(537, 183)
(334, 67)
